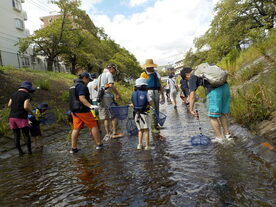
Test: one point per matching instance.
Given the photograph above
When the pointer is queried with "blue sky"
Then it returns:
(115, 7)
(159, 29)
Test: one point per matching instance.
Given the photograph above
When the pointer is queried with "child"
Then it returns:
(141, 102)
(35, 121)
(18, 118)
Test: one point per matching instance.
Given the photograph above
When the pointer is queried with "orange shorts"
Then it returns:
(81, 119)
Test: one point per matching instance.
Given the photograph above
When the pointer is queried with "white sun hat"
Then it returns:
(141, 82)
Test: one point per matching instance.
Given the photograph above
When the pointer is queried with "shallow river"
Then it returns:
(173, 173)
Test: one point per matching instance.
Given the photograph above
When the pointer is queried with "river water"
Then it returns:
(173, 173)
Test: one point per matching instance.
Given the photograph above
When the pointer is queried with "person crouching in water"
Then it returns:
(18, 118)
(35, 121)
(141, 102)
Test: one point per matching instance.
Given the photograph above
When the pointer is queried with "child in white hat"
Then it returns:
(141, 102)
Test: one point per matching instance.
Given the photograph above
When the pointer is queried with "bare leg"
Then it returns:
(74, 138)
(140, 136)
(96, 135)
(146, 134)
(216, 126)
(114, 125)
(106, 126)
(224, 122)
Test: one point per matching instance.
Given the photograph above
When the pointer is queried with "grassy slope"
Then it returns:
(252, 79)
(54, 90)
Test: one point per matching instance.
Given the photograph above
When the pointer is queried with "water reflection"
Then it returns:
(173, 173)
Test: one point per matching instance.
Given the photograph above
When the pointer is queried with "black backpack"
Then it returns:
(74, 103)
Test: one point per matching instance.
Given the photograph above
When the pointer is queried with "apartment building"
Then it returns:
(12, 28)
(47, 20)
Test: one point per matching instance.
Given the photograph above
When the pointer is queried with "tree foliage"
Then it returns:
(77, 41)
(237, 24)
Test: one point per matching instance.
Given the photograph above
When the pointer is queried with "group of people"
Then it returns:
(96, 95)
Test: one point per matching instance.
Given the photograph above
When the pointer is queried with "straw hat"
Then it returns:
(149, 64)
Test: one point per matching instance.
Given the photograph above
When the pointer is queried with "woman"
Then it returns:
(18, 118)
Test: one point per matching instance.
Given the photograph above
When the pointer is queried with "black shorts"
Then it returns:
(35, 131)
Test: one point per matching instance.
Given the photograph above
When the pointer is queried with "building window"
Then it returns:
(19, 24)
(16, 5)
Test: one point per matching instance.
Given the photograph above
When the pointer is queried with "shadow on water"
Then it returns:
(173, 173)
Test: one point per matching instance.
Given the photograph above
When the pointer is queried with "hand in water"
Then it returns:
(194, 113)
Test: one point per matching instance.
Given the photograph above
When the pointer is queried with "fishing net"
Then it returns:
(160, 117)
(120, 112)
(131, 127)
(200, 140)
(48, 118)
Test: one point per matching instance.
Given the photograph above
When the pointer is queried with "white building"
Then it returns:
(178, 66)
(12, 28)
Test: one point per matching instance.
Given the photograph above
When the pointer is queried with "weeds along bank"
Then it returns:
(53, 90)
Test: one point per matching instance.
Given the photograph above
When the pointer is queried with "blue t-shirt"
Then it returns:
(82, 90)
(195, 82)
(185, 87)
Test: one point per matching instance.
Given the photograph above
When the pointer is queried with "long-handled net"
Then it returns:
(200, 139)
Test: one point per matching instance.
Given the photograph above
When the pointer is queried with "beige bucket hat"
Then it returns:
(149, 64)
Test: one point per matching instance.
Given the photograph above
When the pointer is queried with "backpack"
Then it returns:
(153, 81)
(140, 101)
(101, 90)
(74, 102)
(212, 73)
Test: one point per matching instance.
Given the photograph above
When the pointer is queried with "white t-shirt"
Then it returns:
(171, 83)
(106, 78)
(92, 89)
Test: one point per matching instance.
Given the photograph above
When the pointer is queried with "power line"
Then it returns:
(39, 7)
(46, 5)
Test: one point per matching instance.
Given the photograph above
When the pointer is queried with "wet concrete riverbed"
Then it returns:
(173, 173)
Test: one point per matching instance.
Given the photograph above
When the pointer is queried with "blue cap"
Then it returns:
(28, 86)
(86, 75)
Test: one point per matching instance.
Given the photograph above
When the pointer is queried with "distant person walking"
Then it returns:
(185, 90)
(81, 112)
(92, 87)
(154, 87)
(171, 84)
(218, 103)
(18, 118)
(141, 102)
(106, 83)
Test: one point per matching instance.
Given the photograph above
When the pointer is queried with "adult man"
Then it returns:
(154, 87)
(82, 115)
(106, 81)
(218, 103)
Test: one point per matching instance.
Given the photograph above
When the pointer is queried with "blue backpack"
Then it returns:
(140, 101)
(153, 82)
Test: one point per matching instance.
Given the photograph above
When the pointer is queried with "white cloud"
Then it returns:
(134, 3)
(36, 9)
(162, 32)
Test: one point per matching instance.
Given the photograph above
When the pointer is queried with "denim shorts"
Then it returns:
(218, 101)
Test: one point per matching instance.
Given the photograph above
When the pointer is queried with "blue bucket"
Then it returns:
(200, 140)
(120, 112)
(160, 117)
(131, 127)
